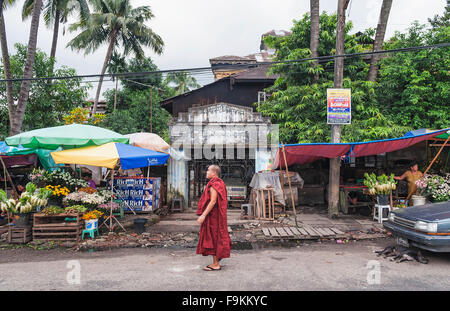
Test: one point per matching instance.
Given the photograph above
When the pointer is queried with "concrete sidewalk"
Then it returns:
(180, 230)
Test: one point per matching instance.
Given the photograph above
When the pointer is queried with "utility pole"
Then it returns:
(335, 169)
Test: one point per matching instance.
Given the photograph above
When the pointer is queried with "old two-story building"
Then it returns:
(219, 124)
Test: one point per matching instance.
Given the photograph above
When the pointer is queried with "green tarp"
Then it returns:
(66, 136)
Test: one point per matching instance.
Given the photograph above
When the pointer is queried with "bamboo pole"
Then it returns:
(440, 150)
(16, 195)
(289, 181)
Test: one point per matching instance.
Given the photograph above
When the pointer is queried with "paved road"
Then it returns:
(309, 267)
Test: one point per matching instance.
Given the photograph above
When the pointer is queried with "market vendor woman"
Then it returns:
(412, 175)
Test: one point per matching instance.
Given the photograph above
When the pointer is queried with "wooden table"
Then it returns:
(344, 191)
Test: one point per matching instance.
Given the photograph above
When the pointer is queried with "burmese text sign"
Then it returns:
(339, 107)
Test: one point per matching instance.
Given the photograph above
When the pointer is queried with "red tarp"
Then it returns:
(27, 159)
(307, 153)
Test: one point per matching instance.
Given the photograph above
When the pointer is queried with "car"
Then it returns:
(425, 226)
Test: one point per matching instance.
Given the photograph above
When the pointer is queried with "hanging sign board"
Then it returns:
(339, 106)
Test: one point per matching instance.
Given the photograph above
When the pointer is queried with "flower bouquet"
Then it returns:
(438, 187)
(381, 186)
(27, 203)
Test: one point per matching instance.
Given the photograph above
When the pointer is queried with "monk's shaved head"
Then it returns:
(215, 168)
(213, 171)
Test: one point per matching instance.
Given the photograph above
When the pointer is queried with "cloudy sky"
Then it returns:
(195, 31)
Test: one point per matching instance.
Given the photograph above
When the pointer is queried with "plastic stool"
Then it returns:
(90, 232)
(180, 205)
(378, 211)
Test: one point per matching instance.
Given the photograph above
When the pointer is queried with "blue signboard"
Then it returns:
(141, 194)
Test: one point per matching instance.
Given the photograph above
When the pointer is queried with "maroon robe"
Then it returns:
(214, 239)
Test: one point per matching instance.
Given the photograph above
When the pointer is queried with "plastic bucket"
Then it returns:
(139, 225)
(91, 224)
(383, 199)
(418, 200)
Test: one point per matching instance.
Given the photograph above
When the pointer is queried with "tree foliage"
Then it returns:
(403, 97)
(48, 103)
(132, 113)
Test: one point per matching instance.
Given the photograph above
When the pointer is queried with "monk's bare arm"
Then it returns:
(210, 206)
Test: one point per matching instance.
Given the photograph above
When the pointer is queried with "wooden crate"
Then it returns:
(53, 227)
(57, 233)
(21, 235)
(41, 219)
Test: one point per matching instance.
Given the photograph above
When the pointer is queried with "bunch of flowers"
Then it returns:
(58, 190)
(27, 202)
(438, 187)
(53, 210)
(380, 184)
(88, 190)
(95, 214)
(57, 177)
(422, 185)
(107, 206)
(39, 176)
(74, 209)
(66, 179)
(90, 200)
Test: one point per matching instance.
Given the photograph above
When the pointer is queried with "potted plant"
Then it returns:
(91, 219)
(381, 186)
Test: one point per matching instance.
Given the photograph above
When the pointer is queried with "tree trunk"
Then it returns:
(379, 38)
(335, 169)
(55, 37)
(112, 42)
(28, 70)
(314, 36)
(6, 66)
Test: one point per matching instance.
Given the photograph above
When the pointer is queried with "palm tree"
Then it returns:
(5, 59)
(56, 12)
(379, 38)
(183, 81)
(115, 22)
(314, 36)
(17, 119)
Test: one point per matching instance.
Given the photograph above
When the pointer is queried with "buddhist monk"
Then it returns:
(212, 211)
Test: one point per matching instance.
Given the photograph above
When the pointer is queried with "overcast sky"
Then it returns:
(195, 31)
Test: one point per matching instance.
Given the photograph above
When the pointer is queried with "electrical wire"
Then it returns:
(203, 69)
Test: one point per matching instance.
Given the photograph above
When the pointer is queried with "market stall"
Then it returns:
(110, 155)
(298, 154)
(53, 185)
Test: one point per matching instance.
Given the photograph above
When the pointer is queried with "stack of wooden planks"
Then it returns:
(305, 232)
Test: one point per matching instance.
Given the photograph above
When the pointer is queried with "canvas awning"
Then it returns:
(307, 153)
(110, 154)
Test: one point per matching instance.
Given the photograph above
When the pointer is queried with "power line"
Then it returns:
(202, 69)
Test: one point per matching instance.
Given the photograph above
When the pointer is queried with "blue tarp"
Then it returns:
(134, 157)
